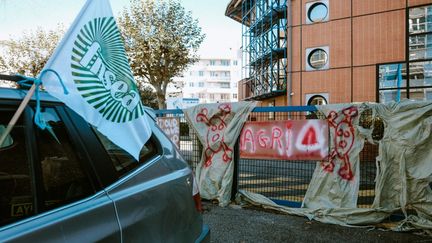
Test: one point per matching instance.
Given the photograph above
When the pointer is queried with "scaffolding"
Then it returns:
(264, 41)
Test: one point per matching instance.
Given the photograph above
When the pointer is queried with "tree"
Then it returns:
(148, 95)
(161, 40)
(28, 54)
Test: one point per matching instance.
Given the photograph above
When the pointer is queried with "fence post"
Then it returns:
(236, 161)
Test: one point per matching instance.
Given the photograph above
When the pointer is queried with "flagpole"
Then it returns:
(17, 114)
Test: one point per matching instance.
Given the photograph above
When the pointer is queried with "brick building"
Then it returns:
(303, 52)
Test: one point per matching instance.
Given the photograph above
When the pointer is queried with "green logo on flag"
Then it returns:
(101, 71)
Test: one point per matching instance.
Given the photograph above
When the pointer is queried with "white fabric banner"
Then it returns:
(218, 127)
(404, 169)
(335, 182)
(91, 61)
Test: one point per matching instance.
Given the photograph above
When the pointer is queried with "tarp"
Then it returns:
(335, 182)
(404, 168)
(218, 127)
(405, 161)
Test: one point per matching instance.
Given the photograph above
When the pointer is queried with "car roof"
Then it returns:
(19, 94)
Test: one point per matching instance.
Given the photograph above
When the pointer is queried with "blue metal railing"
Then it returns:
(283, 181)
(256, 109)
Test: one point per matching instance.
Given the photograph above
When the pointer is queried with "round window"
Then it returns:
(317, 12)
(317, 100)
(318, 58)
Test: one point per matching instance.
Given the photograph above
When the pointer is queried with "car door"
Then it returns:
(153, 196)
(53, 195)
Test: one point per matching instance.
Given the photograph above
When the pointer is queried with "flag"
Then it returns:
(91, 61)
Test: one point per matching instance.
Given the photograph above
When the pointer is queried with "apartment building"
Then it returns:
(211, 80)
(304, 52)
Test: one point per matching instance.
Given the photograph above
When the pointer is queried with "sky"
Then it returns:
(16, 16)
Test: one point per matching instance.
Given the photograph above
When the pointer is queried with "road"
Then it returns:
(234, 224)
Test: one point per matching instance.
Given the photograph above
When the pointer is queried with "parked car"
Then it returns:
(69, 183)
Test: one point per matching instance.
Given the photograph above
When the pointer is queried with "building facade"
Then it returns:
(210, 80)
(334, 51)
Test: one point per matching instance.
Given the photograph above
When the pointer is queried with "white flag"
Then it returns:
(92, 62)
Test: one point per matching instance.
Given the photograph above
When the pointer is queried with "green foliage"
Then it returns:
(148, 96)
(28, 54)
(161, 39)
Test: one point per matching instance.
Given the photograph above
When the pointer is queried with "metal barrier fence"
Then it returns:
(283, 181)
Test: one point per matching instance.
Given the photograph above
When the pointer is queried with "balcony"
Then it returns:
(251, 89)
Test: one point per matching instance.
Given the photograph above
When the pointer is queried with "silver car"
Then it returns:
(69, 183)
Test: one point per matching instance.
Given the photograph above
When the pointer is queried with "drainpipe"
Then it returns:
(289, 25)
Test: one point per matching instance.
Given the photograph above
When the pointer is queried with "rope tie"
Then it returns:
(28, 82)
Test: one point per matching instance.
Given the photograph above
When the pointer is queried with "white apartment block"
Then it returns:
(211, 80)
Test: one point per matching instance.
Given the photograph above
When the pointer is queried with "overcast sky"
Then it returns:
(17, 16)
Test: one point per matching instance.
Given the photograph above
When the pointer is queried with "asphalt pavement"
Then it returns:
(237, 224)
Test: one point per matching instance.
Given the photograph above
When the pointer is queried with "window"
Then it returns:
(420, 33)
(386, 96)
(317, 100)
(213, 74)
(420, 46)
(420, 73)
(226, 74)
(225, 97)
(64, 178)
(317, 58)
(201, 95)
(124, 162)
(212, 97)
(225, 85)
(392, 82)
(200, 84)
(235, 62)
(392, 76)
(420, 20)
(61, 176)
(225, 62)
(317, 12)
(234, 96)
(191, 84)
(16, 197)
(212, 62)
(201, 73)
(396, 81)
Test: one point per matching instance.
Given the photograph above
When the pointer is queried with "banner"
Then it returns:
(335, 182)
(171, 128)
(285, 140)
(91, 61)
(218, 127)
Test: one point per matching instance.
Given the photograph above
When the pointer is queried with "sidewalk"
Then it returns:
(236, 224)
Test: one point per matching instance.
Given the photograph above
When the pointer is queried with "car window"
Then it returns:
(16, 197)
(63, 177)
(124, 162)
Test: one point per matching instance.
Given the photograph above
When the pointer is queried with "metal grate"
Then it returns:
(284, 181)
(190, 146)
